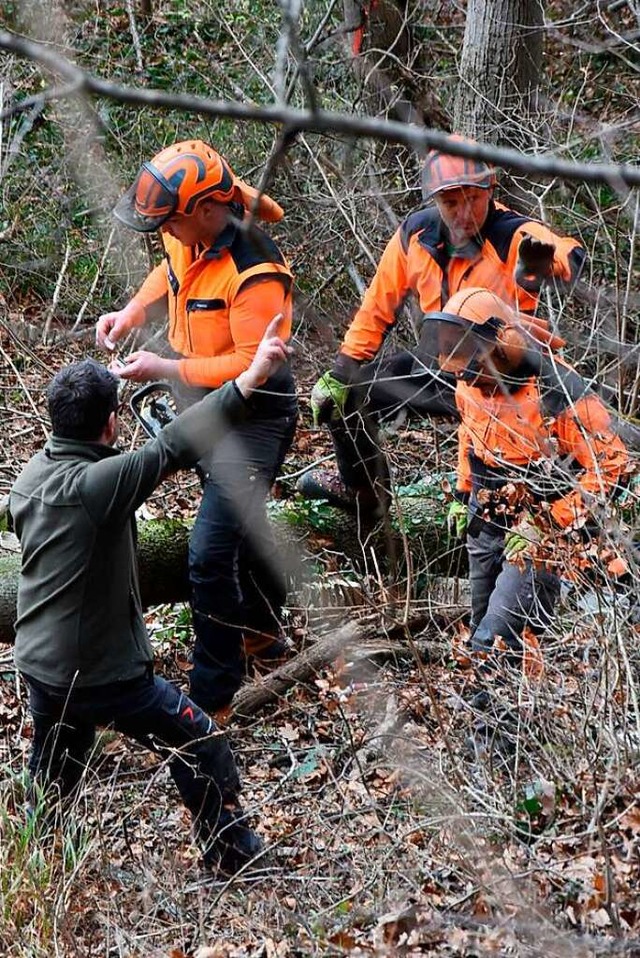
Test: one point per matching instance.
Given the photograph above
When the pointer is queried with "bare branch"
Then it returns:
(618, 176)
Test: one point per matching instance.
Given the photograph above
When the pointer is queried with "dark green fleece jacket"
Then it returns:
(73, 506)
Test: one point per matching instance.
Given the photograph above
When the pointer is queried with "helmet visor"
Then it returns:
(454, 343)
(149, 203)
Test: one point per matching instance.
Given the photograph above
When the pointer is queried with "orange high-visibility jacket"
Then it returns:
(220, 301)
(548, 426)
(416, 260)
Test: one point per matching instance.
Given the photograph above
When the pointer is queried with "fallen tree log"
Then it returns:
(415, 535)
(367, 639)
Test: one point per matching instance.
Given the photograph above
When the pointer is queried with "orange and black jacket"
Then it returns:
(544, 427)
(418, 260)
(219, 302)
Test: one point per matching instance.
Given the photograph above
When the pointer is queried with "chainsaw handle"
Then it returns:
(155, 413)
(146, 390)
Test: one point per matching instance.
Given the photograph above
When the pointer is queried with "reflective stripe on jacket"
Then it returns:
(416, 260)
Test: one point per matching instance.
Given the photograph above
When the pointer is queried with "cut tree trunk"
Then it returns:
(416, 534)
(394, 68)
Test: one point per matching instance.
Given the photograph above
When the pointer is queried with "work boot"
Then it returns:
(265, 652)
(266, 646)
(243, 847)
(480, 701)
(324, 484)
(234, 847)
(491, 743)
(493, 737)
(494, 733)
(369, 504)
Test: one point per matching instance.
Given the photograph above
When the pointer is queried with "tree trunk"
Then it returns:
(390, 64)
(497, 97)
(416, 534)
(500, 71)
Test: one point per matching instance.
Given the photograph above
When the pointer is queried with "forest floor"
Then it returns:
(384, 835)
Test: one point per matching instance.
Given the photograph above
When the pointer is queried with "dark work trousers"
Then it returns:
(154, 713)
(398, 382)
(503, 598)
(237, 576)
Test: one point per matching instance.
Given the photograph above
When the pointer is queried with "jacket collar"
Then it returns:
(440, 241)
(222, 242)
(57, 447)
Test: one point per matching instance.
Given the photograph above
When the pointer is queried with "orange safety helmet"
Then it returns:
(473, 324)
(443, 171)
(178, 178)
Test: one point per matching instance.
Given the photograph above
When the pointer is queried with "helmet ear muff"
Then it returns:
(512, 343)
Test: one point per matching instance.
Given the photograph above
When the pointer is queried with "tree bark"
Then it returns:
(497, 98)
(500, 71)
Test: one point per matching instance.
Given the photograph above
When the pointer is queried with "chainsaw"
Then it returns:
(153, 406)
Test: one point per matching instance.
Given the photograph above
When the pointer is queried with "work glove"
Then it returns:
(535, 263)
(457, 519)
(519, 540)
(328, 399)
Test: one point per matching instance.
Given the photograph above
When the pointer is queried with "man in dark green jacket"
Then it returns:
(81, 641)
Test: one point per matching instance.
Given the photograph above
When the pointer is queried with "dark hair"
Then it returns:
(81, 398)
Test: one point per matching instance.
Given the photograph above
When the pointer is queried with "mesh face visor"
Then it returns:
(457, 345)
(149, 203)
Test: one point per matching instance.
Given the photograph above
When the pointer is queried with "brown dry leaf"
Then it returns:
(460, 646)
(212, 951)
(631, 820)
(276, 949)
(481, 907)
(343, 939)
(289, 733)
(183, 662)
(393, 926)
(600, 918)
(458, 939)
(532, 659)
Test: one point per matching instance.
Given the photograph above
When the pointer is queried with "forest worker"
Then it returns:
(81, 642)
(220, 284)
(537, 458)
(461, 238)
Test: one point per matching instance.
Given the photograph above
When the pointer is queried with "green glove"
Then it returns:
(328, 399)
(519, 539)
(457, 519)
